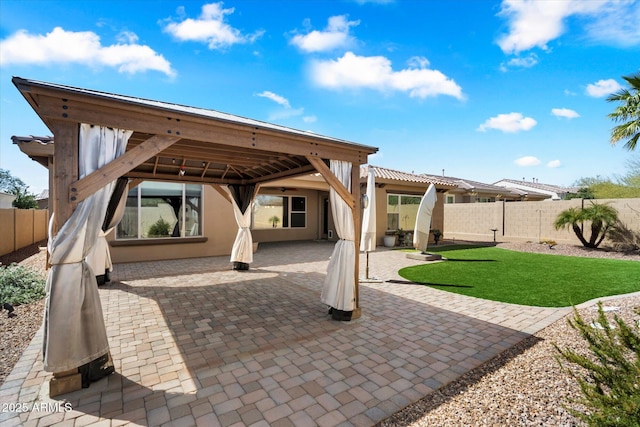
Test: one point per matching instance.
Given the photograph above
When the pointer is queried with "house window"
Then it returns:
(162, 209)
(485, 199)
(279, 212)
(402, 211)
(451, 199)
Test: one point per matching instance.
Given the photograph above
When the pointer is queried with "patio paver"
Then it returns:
(196, 343)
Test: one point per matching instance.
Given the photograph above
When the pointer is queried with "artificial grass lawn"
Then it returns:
(525, 278)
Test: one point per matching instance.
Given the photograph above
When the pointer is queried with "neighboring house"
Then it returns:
(6, 200)
(398, 195)
(42, 199)
(469, 191)
(555, 191)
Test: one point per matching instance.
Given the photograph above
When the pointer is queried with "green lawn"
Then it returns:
(525, 278)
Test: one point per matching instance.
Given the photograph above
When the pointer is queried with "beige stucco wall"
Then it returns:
(524, 221)
(437, 219)
(219, 228)
(310, 232)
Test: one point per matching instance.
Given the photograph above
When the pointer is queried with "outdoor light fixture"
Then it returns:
(364, 201)
(182, 170)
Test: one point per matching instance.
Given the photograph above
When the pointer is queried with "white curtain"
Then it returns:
(338, 290)
(74, 327)
(99, 257)
(242, 250)
(368, 240)
(241, 198)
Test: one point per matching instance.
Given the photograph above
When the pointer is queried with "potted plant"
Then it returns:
(437, 234)
(274, 220)
(389, 239)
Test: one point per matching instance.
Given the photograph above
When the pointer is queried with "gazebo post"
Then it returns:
(65, 172)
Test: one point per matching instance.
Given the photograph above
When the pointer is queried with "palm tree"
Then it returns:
(601, 216)
(628, 113)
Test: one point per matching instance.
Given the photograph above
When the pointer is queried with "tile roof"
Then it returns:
(395, 175)
(44, 140)
(540, 186)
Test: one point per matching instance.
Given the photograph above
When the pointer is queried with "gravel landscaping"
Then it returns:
(522, 386)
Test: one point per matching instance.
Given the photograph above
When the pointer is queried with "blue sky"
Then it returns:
(485, 90)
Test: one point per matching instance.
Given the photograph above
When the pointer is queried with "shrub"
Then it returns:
(20, 285)
(159, 229)
(610, 375)
(623, 238)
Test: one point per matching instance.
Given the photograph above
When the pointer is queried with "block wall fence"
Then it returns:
(524, 221)
(21, 227)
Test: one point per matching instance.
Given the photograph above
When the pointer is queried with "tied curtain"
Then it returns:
(100, 256)
(241, 197)
(368, 240)
(338, 290)
(74, 327)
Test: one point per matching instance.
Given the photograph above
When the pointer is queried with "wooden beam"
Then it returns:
(307, 169)
(357, 230)
(333, 181)
(223, 193)
(80, 190)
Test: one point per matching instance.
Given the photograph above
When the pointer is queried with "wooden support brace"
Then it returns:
(333, 181)
(83, 188)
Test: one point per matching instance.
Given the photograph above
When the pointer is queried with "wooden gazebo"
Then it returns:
(173, 142)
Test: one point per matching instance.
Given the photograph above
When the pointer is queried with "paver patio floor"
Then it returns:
(196, 343)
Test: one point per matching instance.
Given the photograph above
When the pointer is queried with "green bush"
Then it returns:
(20, 285)
(610, 375)
(159, 229)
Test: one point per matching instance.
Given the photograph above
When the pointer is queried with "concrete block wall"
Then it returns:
(525, 221)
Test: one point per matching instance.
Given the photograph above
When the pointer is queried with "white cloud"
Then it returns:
(554, 164)
(564, 112)
(511, 122)
(275, 98)
(375, 72)
(309, 119)
(286, 111)
(603, 88)
(527, 161)
(534, 23)
(210, 28)
(616, 23)
(336, 35)
(69, 47)
(520, 62)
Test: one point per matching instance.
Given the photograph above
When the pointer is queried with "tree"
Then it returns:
(17, 187)
(618, 187)
(601, 216)
(628, 113)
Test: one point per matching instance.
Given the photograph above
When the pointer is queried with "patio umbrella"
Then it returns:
(368, 240)
(423, 219)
